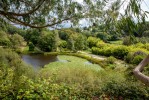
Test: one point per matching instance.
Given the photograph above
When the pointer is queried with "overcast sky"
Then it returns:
(144, 6)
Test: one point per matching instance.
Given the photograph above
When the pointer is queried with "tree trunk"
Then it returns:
(137, 71)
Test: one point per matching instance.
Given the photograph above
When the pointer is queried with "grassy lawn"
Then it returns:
(75, 70)
(73, 62)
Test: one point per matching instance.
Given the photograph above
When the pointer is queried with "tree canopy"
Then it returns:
(46, 13)
(50, 13)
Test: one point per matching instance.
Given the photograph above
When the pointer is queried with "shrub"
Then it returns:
(103, 36)
(111, 60)
(120, 52)
(100, 44)
(4, 39)
(16, 41)
(31, 46)
(130, 40)
(125, 91)
(129, 57)
(47, 41)
(111, 50)
(137, 59)
(92, 41)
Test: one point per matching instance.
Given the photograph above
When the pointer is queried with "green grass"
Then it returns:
(75, 71)
(73, 62)
(85, 80)
(119, 42)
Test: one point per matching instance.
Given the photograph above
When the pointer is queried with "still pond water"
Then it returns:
(38, 60)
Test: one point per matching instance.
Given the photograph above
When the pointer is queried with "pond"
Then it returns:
(38, 60)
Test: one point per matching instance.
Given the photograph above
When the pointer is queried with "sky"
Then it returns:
(144, 6)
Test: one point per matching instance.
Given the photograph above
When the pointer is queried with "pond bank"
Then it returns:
(95, 59)
(81, 55)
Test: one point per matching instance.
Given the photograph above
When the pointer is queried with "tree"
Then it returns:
(4, 39)
(32, 35)
(16, 41)
(47, 41)
(70, 43)
(31, 46)
(47, 13)
(80, 43)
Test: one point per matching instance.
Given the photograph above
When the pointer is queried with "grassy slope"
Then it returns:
(77, 72)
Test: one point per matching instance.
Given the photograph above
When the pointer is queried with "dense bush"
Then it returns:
(92, 41)
(111, 60)
(127, 53)
(116, 51)
(47, 41)
(16, 41)
(31, 46)
(103, 36)
(77, 42)
(62, 44)
(80, 43)
(135, 57)
(120, 52)
(4, 39)
(11, 71)
(125, 91)
(129, 40)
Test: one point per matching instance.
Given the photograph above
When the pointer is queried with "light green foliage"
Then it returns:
(122, 52)
(110, 60)
(11, 71)
(80, 43)
(135, 57)
(111, 50)
(92, 41)
(16, 41)
(119, 42)
(125, 90)
(70, 43)
(4, 39)
(75, 41)
(62, 44)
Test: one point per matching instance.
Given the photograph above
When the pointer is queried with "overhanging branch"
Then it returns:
(23, 14)
(15, 20)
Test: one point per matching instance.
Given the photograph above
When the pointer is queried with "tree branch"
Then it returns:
(137, 71)
(15, 20)
(23, 14)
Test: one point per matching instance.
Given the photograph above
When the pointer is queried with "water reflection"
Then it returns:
(38, 60)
